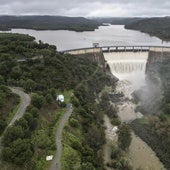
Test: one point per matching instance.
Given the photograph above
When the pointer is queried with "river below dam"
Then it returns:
(129, 68)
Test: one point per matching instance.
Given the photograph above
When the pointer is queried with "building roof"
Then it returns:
(60, 98)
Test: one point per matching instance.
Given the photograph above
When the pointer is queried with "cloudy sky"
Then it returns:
(86, 8)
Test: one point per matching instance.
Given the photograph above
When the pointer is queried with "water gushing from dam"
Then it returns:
(129, 68)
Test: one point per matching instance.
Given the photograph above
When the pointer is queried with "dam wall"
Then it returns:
(93, 54)
(96, 54)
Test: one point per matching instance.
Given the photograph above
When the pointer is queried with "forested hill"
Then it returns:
(117, 20)
(32, 138)
(47, 23)
(159, 27)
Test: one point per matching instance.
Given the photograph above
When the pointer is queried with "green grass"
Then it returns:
(70, 158)
(72, 143)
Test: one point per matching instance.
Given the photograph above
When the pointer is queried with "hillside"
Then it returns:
(117, 20)
(32, 138)
(159, 27)
(47, 23)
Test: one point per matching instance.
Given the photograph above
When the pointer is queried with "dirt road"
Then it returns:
(25, 101)
(56, 163)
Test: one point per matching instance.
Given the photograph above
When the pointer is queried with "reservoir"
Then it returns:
(104, 35)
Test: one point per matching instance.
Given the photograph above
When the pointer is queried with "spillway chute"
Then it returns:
(129, 68)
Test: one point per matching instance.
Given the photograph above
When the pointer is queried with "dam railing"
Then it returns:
(116, 49)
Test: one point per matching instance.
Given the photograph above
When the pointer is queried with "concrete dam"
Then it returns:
(125, 62)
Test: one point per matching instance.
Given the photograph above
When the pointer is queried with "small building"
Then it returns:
(49, 158)
(95, 45)
(60, 98)
(114, 130)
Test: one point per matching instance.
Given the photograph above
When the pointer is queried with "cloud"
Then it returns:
(86, 8)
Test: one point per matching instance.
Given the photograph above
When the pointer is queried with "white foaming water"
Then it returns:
(129, 68)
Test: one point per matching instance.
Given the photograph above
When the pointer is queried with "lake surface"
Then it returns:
(105, 35)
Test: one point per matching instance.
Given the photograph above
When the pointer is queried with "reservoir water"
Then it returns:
(104, 35)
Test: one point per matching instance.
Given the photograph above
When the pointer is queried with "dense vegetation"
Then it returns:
(47, 23)
(45, 77)
(159, 27)
(155, 129)
(8, 102)
(84, 135)
(118, 150)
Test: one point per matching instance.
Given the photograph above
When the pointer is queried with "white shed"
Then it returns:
(60, 98)
(49, 158)
(114, 130)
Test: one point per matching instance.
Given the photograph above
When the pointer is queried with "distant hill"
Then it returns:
(117, 20)
(159, 27)
(47, 23)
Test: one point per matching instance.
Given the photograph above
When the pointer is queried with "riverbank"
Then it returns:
(36, 22)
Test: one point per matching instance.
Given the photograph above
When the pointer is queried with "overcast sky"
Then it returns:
(86, 8)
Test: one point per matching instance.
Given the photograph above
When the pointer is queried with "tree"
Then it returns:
(104, 104)
(111, 112)
(95, 137)
(37, 100)
(49, 98)
(18, 152)
(20, 49)
(2, 99)
(116, 152)
(124, 137)
(3, 124)
(13, 133)
(73, 122)
(87, 166)
(29, 85)
(16, 72)
(1, 80)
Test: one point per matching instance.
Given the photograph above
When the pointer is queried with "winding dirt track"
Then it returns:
(56, 163)
(25, 101)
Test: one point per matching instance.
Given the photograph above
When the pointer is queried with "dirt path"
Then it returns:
(25, 101)
(56, 163)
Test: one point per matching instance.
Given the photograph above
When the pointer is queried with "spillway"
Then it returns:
(129, 68)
